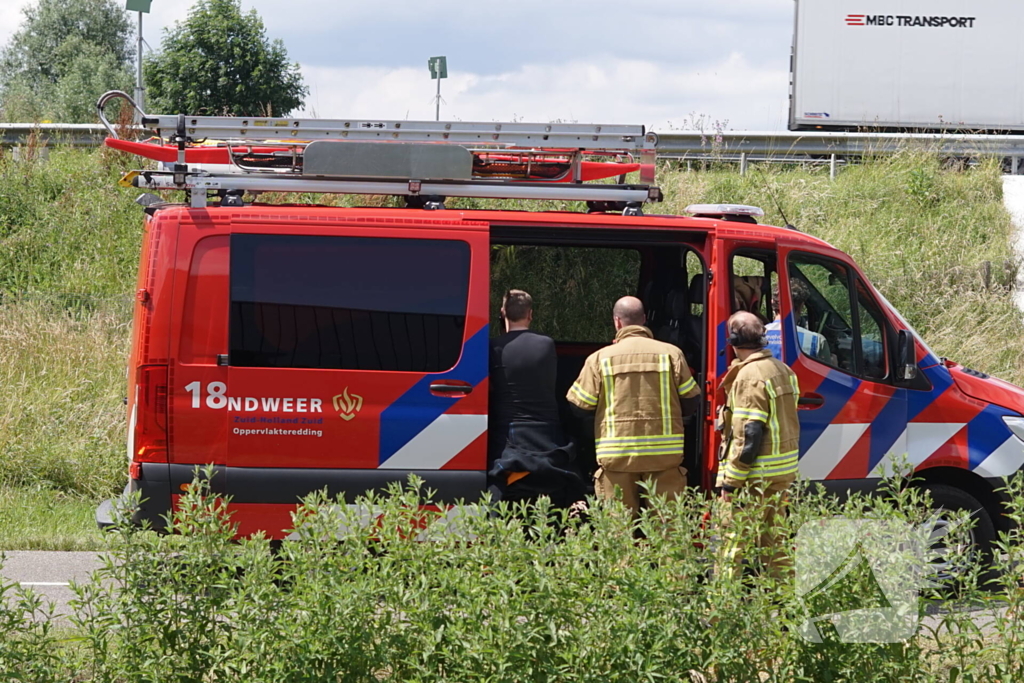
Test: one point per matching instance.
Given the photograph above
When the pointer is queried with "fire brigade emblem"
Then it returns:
(347, 404)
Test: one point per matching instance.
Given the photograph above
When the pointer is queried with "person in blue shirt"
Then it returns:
(812, 344)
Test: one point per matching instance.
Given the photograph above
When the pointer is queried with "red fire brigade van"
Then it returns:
(298, 348)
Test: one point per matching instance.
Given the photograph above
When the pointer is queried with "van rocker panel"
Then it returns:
(287, 485)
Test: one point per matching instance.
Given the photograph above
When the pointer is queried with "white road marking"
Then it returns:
(43, 583)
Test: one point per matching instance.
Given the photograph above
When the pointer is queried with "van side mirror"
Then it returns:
(906, 356)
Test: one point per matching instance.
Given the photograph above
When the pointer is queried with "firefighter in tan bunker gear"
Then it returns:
(641, 390)
(760, 440)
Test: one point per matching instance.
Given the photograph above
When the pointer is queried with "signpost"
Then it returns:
(139, 6)
(438, 69)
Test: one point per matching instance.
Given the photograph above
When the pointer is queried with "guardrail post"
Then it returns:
(832, 167)
(743, 163)
(1014, 164)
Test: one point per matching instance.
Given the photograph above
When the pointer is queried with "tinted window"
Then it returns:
(356, 303)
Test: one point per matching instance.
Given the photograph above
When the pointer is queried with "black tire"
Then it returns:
(982, 536)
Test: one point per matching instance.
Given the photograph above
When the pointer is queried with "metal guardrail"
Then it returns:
(75, 134)
(831, 147)
(787, 143)
(730, 145)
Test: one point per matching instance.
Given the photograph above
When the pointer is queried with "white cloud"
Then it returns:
(10, 17)
(606, 90)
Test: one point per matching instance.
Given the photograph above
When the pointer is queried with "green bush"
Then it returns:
(371, 593)
(32, 647)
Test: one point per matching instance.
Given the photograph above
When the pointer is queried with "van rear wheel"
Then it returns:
(954, 549)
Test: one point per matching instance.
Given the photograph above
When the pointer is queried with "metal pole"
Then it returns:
(743, 163)
(832, 167)
(437, 112)
(139, 90)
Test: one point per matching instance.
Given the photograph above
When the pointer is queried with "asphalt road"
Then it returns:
(49, 573)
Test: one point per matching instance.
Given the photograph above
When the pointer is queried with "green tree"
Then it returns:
(63, 57)
(220, 62)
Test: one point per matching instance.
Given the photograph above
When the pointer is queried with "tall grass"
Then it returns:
(62, 384)
(920, 230)
(66, 226)
(43, 518)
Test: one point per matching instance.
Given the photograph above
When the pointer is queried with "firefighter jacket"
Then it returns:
(634, 386)
(764, 389)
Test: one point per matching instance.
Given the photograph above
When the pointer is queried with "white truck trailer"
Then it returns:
(922, 65)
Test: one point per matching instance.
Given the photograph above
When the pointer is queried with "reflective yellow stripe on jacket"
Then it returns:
(620, 446)
(609, 396)
(665, 392)
(582, 395)
(686, 387)
(776, 465)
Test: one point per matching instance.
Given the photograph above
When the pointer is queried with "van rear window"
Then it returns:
(357, 303)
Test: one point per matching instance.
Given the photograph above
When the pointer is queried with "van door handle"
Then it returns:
(450, 387)
(810, 401)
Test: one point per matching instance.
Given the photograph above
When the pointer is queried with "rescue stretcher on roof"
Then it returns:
(415, 159)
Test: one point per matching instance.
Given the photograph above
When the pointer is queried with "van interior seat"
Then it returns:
(675, 308)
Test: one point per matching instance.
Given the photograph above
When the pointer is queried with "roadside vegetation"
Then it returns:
(934, 239)
(533, 597)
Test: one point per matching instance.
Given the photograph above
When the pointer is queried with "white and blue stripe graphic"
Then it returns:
(416, 431)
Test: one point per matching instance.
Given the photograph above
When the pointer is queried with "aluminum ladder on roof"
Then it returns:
(355, 167)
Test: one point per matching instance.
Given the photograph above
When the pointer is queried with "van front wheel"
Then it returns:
(955, 548)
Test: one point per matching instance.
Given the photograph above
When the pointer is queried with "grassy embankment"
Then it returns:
(69, 245)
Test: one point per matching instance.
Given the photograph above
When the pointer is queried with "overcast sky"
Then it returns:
(663, 63)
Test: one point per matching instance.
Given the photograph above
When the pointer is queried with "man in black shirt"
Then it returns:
(527, 451)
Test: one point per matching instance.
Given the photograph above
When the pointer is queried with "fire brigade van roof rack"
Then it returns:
(425, 161)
